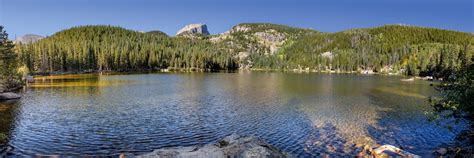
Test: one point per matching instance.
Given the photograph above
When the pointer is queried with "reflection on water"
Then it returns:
(85, 80)
(304, 114)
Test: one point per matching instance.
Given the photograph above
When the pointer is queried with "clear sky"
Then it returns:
(45, 17)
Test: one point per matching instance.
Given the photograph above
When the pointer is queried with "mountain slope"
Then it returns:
(258, 39)
(392, 48)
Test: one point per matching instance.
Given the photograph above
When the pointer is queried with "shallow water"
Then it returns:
(303, 114)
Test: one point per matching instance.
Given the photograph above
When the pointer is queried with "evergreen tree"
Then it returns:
(8, 63)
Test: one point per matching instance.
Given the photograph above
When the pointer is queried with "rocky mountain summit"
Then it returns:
(193, 29)
(28, 38)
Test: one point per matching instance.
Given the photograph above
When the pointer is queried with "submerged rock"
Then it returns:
(442, 151)
(9, 96)
(231, 146)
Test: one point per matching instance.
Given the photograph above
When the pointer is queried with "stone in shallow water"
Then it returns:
(231, 146)
(442, 151)
(9, 96)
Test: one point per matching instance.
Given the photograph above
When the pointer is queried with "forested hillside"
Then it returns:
(101, 48)
(388, 49)
(256, 43)
(392, 48)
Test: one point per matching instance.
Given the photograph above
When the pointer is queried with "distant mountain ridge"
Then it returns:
(28, 38)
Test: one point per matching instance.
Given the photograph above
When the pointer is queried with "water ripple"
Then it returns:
(305, 115)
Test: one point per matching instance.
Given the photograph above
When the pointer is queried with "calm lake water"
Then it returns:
(303, 114)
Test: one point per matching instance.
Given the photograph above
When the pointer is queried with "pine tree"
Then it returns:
(8, 64)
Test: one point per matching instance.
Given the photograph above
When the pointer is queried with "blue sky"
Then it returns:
(45, 17)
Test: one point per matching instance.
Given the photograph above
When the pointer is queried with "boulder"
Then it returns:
(231, 146)
(193, 29)
(9, 96)
(392, 151)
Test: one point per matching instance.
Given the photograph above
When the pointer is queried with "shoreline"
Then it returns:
(405, 78)
(217, 71)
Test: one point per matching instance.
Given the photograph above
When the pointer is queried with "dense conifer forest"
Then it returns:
(103, 48)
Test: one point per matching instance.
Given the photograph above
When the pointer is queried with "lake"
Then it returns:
(303, 114)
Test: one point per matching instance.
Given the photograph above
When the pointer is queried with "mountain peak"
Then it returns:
(28, 38)
(193, 29)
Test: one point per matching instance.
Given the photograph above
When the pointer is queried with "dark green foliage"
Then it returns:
(457, 94)
(158, 33)
(457, 101)
(99, 48)
(9, 77)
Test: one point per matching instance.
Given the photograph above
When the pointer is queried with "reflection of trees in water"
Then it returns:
(7, 117)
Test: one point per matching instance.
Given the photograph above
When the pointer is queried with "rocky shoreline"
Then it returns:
(236, 146)
(231, 146)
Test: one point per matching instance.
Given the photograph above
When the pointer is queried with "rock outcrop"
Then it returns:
(193, 29)
(9, 96)
(29, 38)
(231, 146)
(271, 39)
(238, 28)
(249, 41)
